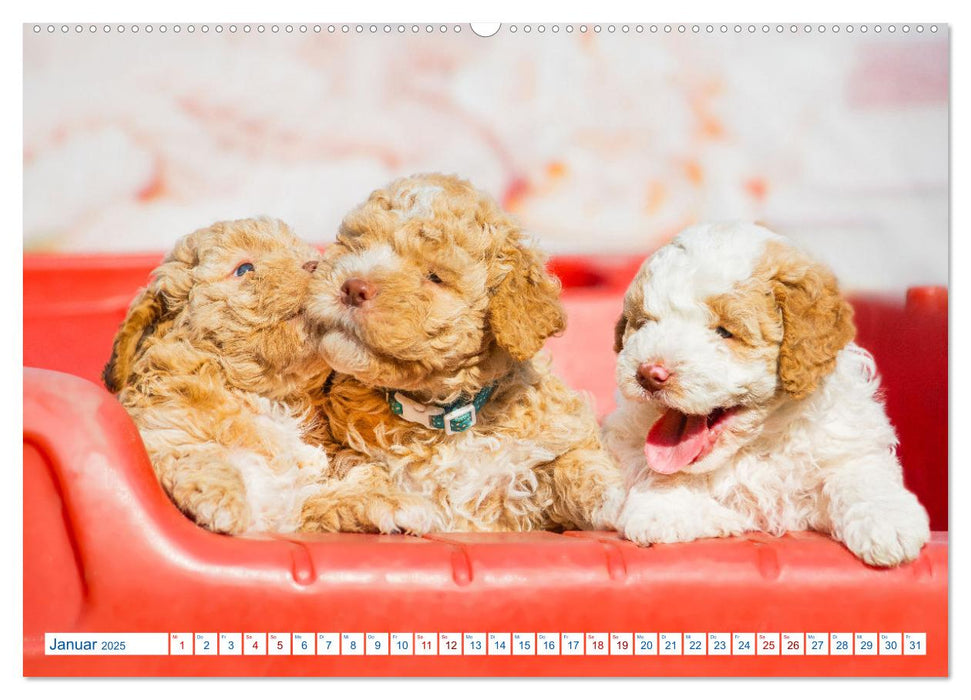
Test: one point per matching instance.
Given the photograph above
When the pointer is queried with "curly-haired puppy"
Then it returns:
(432, 309)
(213, 363)
(744, 405)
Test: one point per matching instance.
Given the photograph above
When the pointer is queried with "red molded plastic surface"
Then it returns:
(105, 551)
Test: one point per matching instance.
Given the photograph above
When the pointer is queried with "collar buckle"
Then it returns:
(415, 412)
(460, 420)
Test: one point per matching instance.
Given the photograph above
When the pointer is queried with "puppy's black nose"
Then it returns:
(310, 266)
(355, 292)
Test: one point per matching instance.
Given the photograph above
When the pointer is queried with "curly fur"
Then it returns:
(806, 442)
(214, 368)
(461, 301)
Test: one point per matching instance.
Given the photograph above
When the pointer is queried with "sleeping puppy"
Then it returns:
(215, 367)
(432, 308)
(744, 404)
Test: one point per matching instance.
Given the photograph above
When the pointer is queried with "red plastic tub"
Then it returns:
(106, 552)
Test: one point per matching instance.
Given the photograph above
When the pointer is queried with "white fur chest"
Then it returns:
(774, 493)
(479, 479)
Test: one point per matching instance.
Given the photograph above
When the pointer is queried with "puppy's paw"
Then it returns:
(325, 512)
(607, 515)
(215, 499)
(653, 528)
(652, 520)
(374, 512)
(886, 534)
(416, 516)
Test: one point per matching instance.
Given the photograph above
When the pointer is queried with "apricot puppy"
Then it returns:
(745, 405)
(214, 365)
(432, 308)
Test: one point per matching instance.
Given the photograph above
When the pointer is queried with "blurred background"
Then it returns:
(599, 143)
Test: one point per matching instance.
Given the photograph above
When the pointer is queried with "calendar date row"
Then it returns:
(491, 644)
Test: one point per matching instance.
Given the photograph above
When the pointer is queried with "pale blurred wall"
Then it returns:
(599, 143)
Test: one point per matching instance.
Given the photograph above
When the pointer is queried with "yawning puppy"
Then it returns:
(744, 405)
(214, 364)
(432, 308)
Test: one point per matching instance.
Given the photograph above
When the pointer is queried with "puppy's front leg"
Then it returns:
(873, 514)
(364, 499)
(588, 489)
(676, 514)
(204, 485)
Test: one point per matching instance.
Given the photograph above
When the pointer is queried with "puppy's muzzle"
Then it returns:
(355, 291)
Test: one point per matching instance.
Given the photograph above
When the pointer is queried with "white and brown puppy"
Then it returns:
(433, 308)
(745, 405)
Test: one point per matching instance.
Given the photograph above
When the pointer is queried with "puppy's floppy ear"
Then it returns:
(157, 304)
(619, 329)
(142, 320)
(817, 322)
(525, 309)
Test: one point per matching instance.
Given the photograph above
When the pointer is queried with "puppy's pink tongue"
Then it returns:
(675, 441)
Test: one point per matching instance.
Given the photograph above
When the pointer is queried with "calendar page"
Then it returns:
(602, 142)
